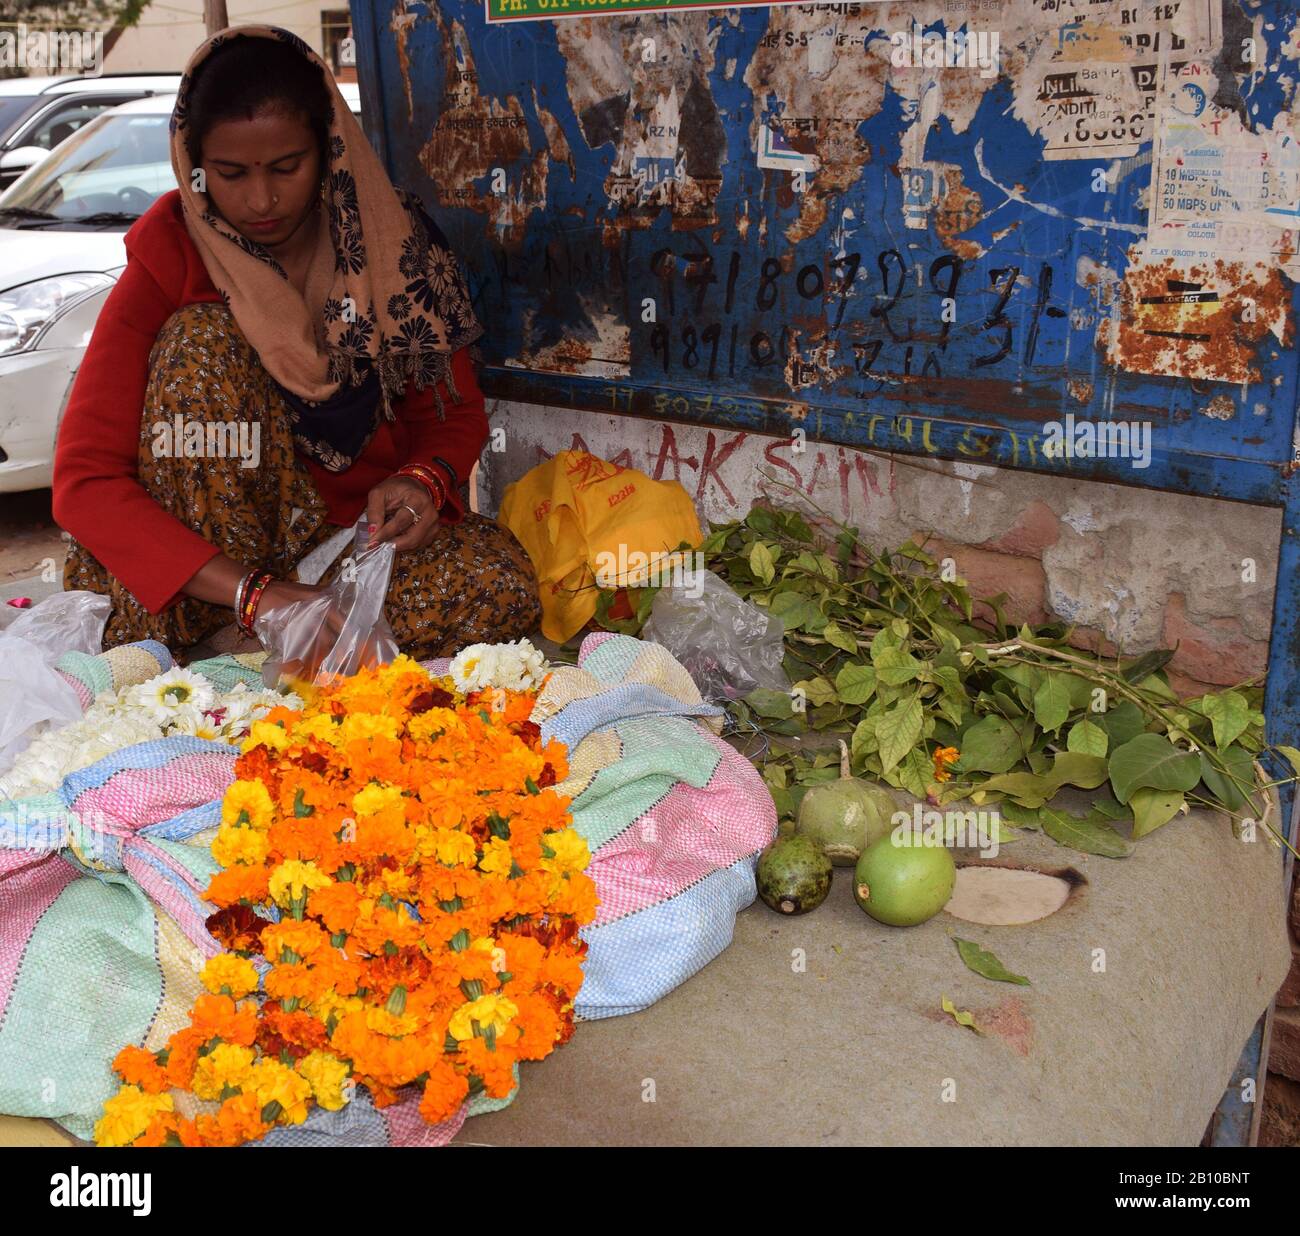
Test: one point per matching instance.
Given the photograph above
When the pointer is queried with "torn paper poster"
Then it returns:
(1209, 168)
(1091, 85)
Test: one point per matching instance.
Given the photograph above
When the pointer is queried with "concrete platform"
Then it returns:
(855, 1050)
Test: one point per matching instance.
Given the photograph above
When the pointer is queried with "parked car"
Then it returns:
(37, 113)
(61, 250)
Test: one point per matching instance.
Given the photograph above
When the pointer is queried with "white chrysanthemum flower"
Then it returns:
(516, 666)
(166, 694)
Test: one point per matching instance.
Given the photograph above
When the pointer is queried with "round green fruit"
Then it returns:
(903, 885)
(842, 818)
(794, 876)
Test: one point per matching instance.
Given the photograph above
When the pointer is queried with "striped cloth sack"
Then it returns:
(675, 818)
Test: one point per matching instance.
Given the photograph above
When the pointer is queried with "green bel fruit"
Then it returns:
(903, 885)
(844, 817)
(794, 876)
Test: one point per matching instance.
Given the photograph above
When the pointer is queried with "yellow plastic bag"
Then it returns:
(587, 523)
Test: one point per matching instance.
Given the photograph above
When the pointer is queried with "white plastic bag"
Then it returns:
(338, 632)
(33, 696)
(728, 646)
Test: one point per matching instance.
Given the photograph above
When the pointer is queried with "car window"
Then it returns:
(12, 109)
(118, 162)
(62, 122)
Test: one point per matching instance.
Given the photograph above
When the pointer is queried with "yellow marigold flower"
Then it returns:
(266, 733)
(381, 1021)
(331, 1002)
(127, 1114)
(571, 852)
(250, 797)
(319, 725)
(226, 970)
(292, 878)
(436, 721)
(489, 1010)
(325, 1073)
(375, 798)
(235, 844)
(367, 725)
(274, 1082)
(497, 859)
(227, 1064)
(455, 848)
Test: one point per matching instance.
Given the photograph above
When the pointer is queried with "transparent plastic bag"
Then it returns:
(33, 697)
(338, 632)
(728, 646)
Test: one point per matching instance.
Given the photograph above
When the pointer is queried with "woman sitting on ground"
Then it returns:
(291, 309)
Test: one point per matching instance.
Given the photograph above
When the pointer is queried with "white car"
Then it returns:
(61, 250)
(37, 113)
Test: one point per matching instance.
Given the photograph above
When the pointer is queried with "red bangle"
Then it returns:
(250, 597)
(431, 481)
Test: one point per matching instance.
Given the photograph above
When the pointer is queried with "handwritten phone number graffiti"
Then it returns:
(696, 338)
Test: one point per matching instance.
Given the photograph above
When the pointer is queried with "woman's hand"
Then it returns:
(307, 660)
(400, 510)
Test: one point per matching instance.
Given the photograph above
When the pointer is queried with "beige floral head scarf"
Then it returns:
(384, 298)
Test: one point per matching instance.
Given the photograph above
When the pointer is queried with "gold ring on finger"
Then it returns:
(415, 515)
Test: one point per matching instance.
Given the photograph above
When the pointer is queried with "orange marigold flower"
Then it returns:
(943, 756)
(444, 1092)
(137, 1066)
(219, 1017)
(236, 884)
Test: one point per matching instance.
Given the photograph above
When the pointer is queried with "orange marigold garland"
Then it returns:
(430, 891)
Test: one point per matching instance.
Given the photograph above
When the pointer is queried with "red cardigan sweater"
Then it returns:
(97, 495)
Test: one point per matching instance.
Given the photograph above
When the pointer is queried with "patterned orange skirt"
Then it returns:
(472, 584)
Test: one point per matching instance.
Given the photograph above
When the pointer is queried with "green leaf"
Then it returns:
(855, 683)
(1109, 809)
(895, 667)
(1027, 789)
(839, 638)
(797, 611)
(1078, 768)
(1229, 713)
(1147, 664)
(1151, 808)
(770, 703)
(1051, 703)
(819, 691)
(1225, 789)
(986, 964)
(1086, 738)
(961, 1017)
(397, 1001)
(762, 563)
(898, 730)
(1021, 817)
(1122, 723)
(1151, 761)
(914, 772)
(864, 741)
(990, 745)
(1292, 757)
(1090, 836)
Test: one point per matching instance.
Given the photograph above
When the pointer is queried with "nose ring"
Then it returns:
(275, 201)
